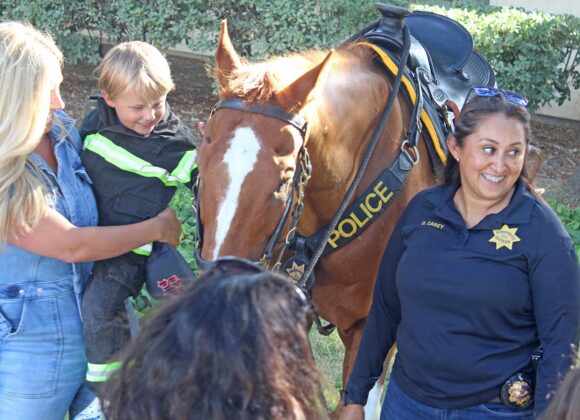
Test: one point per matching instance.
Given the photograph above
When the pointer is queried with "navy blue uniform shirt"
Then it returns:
(467, 307)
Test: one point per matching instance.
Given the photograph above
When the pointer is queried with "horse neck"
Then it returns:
(339, 140)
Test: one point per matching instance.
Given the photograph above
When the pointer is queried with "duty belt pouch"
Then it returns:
(517, 392)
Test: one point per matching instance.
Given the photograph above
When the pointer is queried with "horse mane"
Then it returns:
(258, 82)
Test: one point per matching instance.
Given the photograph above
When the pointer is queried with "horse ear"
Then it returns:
(299, 92)
(226, 58)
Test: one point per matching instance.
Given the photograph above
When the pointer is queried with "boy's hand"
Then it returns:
(170, 227)
(201, 127)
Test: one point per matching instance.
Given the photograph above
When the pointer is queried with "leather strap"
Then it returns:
(272, 111)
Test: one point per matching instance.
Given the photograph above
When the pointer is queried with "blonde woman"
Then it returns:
(48, 234)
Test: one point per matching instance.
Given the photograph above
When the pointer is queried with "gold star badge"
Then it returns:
(505, 236)
(296, 271)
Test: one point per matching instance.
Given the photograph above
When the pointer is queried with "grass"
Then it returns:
(328, 354)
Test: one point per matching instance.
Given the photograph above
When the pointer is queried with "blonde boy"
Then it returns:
(136, 151)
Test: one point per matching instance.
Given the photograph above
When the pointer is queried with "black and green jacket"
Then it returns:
(134, 177)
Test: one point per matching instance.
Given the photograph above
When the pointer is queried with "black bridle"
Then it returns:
(299, 182)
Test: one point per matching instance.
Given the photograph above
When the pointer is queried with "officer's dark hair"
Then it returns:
(233, 345)
(474, 111)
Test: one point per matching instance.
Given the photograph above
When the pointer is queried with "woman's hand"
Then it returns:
(352, 412)
(170, 227)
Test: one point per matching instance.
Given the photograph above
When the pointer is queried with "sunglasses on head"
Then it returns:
(488, 92)
(234, 264)
(231, 264)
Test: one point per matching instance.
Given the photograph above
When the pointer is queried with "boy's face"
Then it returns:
(135, 113)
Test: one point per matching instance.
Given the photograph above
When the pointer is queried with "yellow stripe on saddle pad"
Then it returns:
(410, 88)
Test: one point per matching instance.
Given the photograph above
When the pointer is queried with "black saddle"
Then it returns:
(441, 52)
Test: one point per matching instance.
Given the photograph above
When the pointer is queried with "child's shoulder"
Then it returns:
(93, 120)
(173, 127)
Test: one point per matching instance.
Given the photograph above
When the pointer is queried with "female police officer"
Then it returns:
(477, 276)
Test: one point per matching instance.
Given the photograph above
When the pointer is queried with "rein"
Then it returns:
(307, 282)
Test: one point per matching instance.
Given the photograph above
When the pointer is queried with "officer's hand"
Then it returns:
(352, 412)
(170, 227)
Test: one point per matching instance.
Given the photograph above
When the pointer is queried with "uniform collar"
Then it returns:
(518, 211)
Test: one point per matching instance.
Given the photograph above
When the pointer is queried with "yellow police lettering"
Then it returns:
(341, 228)
(357, 221)
(333, 238)
(371, 208)
(350, 225)
(365, 209)
(380, 190)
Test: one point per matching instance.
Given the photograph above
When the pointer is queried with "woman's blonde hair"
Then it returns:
(135, 66)
(30, 67)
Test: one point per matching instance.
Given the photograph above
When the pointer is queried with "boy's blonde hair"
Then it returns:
(136, 66)
(30, 67)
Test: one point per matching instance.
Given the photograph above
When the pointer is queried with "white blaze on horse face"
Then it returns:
(240, 159)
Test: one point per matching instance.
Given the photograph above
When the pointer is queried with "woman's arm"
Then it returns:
(56, 237)
(555, 284)
(380, 328)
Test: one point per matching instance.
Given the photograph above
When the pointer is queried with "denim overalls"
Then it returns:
(42, 353)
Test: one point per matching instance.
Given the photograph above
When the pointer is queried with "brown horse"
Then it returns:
(247, 161)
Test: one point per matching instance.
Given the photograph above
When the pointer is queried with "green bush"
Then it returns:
(527, 50)
(182, 203)
(64, 20)
(570, 218)
(81, 27)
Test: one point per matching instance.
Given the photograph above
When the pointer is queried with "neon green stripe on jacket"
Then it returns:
(127, 161)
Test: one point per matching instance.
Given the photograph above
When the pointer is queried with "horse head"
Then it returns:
(250, 152)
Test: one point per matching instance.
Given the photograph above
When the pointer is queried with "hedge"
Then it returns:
(527, 49)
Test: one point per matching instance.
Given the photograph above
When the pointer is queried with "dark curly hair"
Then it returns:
(565, 405)
(475, 110)
(234, 345)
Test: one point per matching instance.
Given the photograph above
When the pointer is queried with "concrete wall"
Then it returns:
(570, 109)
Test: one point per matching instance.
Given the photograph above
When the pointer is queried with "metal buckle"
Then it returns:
(405, 146)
